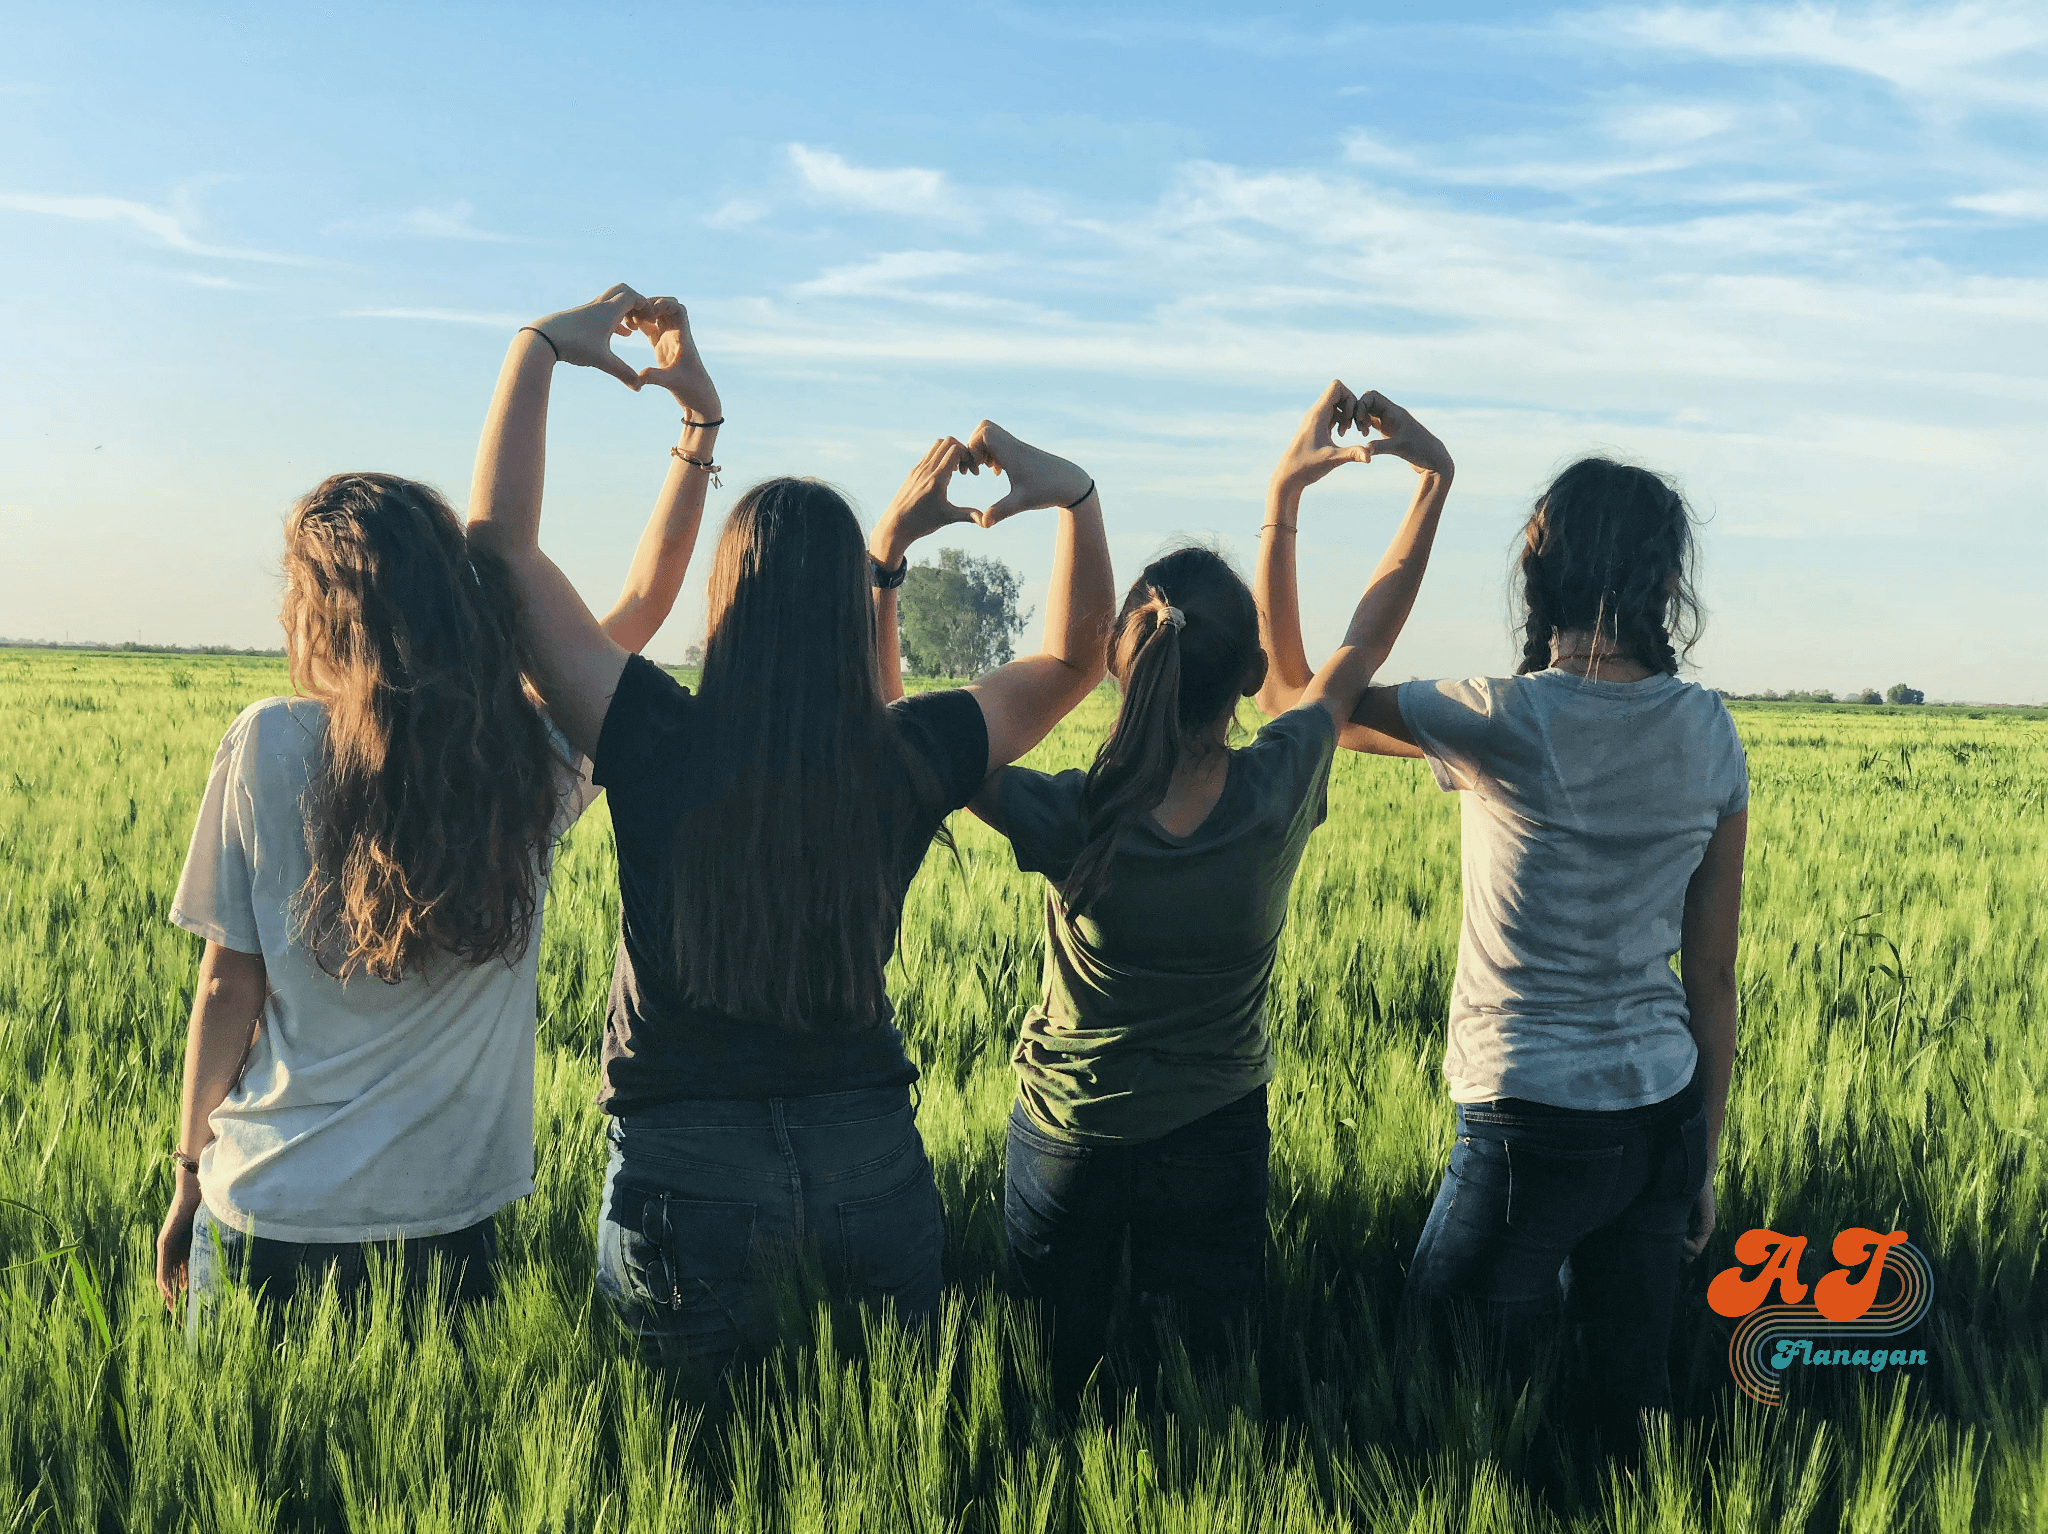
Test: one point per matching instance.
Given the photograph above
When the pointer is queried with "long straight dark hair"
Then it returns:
(436, 797)
(1609, 548)
(785, 904)
(1178, 679)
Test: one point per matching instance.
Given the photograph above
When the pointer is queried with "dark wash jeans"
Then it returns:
(715, 1210)
(1193, 1204)
(1542, 1206)
(276, 1269)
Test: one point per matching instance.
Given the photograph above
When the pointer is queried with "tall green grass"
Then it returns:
(1892, 1069)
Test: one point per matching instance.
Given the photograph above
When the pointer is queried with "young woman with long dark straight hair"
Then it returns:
(768, 829)
(369, 873)
(1605, 807)
(1141, 1074)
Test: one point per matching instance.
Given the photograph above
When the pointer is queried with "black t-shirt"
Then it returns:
(659, 1047)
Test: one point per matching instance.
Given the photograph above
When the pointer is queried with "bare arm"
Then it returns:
(1389, 597)
(227, 1012)
(663, 557)
(576, 664)
(1706, 960)
(921, 507)
(1022, 701)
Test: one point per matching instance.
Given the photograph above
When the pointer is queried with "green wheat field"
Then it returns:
(1891, 1073)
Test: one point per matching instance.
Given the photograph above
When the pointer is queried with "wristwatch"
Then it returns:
(884, 578)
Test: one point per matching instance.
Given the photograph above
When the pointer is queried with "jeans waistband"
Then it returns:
(817, 1109)
(1681, 1104)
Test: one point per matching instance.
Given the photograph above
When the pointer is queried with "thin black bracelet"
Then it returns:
(886, 579)
(1077, 500)
(544, 336)
(687, 422)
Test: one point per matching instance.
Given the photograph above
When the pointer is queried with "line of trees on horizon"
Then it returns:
(1897, 693)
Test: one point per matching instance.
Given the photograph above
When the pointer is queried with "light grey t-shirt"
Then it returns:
(366, 1110)
(1587, 808)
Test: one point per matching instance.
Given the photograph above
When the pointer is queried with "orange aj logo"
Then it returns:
(1846, 1303)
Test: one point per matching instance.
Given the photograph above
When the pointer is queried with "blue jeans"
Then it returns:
(1193, 1204)
(718, 1212)
(276, 1269)
(1543, 1206)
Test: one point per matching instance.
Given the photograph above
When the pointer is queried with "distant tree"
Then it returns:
(1899, 692)
(960, 615)
(694, 655)
(1869, 695)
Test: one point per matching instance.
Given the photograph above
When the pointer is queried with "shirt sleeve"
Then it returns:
(1450, 722)
(1293, 755)
(1043, 819)
(216, 894)
(1738, 792)
(630, 761)
(948, 730)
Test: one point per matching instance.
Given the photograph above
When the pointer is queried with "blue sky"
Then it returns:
(1794, 255)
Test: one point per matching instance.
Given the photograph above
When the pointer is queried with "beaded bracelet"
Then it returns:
(698, 463)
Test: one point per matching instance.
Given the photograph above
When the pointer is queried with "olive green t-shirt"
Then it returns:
(1154, 1009)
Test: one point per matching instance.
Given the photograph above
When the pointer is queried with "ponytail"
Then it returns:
(1134, 768)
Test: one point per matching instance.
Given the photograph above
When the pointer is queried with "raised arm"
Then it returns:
(663, 557)
(1022, 701)
(921, 507)
(1706, 962)
(1341, 686)
(576, 664)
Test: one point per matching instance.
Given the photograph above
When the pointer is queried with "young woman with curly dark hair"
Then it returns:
(1605, 806)
(369, 871)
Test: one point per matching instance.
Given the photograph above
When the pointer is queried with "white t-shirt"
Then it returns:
(1587, 808)
(367, 1110)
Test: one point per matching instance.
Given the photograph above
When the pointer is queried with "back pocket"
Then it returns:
(694, 1257)
(890, 1244)
(1556, 1193)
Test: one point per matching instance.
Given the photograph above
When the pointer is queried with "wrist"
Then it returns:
(699, 409)
(889, 547)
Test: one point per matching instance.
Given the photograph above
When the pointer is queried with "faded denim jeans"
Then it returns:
(276, 1270)
(716, 1210)
(1544, 1206)
(1192, 1203)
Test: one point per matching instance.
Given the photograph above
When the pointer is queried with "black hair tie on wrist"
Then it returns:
(687, 422)
(545, 337)
(886, 579)
(1077, 500)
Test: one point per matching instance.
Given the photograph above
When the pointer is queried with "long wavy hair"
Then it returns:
(1609, 549)
(786, 903)
(1177, 681)
(432, 809)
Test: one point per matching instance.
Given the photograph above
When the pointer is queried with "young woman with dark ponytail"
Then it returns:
(769, 826)
(369, 873)
(1605, 807)
(1141, 1074)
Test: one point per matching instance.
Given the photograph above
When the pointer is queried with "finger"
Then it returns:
(1009, 506)
(960, 457)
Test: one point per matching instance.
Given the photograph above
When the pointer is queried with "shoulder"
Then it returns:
(947, 728)
(1462, 704)
(1307, 734)
(277, 727)
(642, 684)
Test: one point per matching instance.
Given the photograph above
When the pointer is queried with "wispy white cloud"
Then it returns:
(159, 224)
(736, 213)
(893, 271)
(907, 189)
(449, 221)
(2029, 206)
(1968, 54)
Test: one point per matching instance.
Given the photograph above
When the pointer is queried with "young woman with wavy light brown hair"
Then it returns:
(369, 873)
(769, 826)
(1605, 805)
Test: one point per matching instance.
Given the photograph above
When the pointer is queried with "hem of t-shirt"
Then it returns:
(614, 1104)
(1067, 1134)
(1438, 769)
(248, 1224)
(1467, 1094)
(213, 932)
